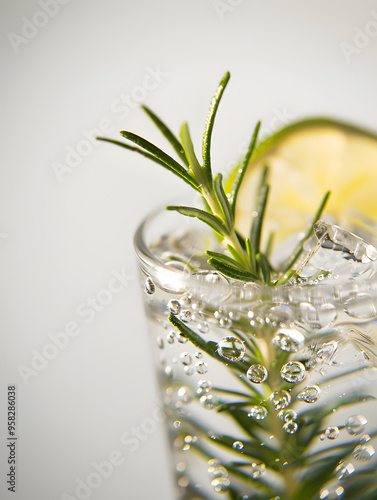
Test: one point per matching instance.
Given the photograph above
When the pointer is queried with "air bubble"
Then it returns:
(238, 445)
(332, 432)
(343, 470)
(281, 399)
(258, 412)
(208, 401)
(216, 470)
(219, 314)
(287, 415)
(293, 372)
(203, 386)
(212, 462)
(181, 339)
(170, 338)
(309, 394)
(174, 306)
(225, 323)
(257, 374)
(234, 315)
(186, 298)
(363, 452)
(257, 469)
(231, 349)
(220, 484)
(289, 340)
(189, 370)
(183, 481)
(203, 327)
(181, 466)
(185, 394)
(150, 287)
(185, 358)
(281, 314)
(364, 439)
(355, 424)
(201, 367)
(290, 427)
(185, 316)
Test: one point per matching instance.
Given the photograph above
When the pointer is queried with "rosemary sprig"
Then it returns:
(246, 261)
(301, 467)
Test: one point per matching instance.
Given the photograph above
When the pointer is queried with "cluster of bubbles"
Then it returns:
(188, 441)
(207, 400)
(289, 418)
(218, 476)
(354, 426)
(344, 469)
(280, 399)
(288, 339)
(204, 386)
(335, 492)
(180, 308)
(257, 469)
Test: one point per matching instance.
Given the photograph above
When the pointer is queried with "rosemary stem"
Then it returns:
(231, 238)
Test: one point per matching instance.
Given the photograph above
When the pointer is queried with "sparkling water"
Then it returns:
(253, 367)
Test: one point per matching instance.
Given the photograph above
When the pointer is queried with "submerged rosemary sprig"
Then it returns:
(246, 260)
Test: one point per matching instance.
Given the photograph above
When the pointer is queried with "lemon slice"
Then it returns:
(306, 159)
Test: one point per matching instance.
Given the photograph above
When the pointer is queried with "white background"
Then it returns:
(63, 237)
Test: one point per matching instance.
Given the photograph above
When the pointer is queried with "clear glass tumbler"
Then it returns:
(269, 392)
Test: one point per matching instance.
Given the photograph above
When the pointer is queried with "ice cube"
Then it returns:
(361, 250)
(365, 341)
(337, 251)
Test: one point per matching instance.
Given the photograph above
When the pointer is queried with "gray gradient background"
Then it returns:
(60, 242)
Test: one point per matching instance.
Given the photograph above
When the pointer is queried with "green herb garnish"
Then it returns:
(246, 260)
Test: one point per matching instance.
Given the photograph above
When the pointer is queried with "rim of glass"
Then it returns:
(180, 281)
